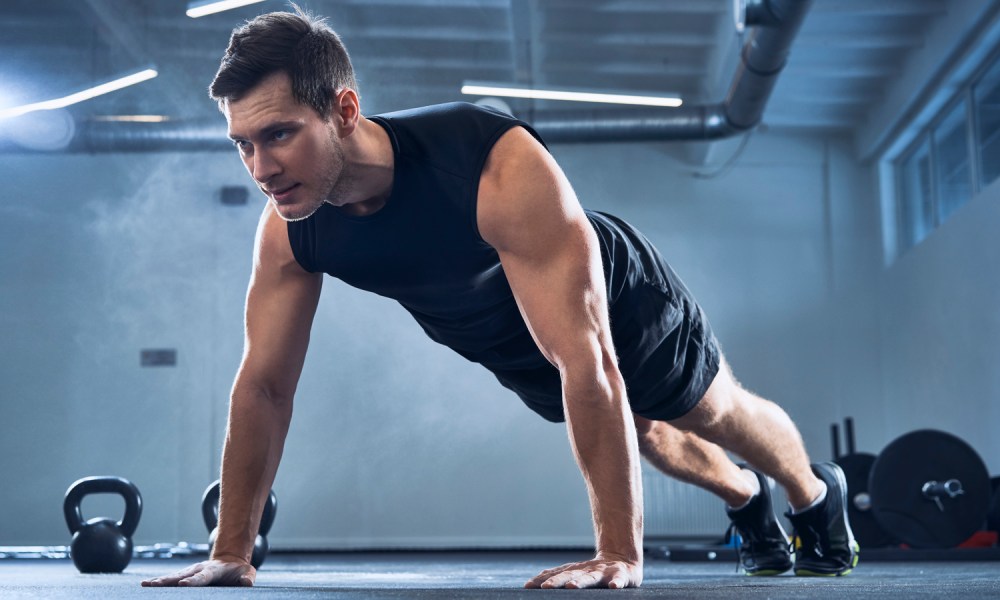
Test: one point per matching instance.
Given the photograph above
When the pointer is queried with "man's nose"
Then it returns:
(264, 167)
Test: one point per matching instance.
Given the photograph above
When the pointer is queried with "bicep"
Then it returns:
(280, 305)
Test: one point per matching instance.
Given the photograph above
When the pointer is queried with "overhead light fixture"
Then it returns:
(208, 7)
(87, 94)
(476, 89)
(131, 118)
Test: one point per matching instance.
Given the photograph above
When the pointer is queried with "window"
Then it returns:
(916, 203)
(952, 177)
(987, 101)
(949, 160)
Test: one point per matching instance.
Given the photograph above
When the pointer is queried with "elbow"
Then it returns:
(257, 395)
(592, 377)
(279, 400)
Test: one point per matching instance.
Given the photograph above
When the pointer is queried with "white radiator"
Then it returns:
(675, 509)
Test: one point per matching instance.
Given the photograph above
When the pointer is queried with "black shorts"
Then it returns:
(667, 352)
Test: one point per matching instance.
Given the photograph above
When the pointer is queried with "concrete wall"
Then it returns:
(939, 317)
(395, 440)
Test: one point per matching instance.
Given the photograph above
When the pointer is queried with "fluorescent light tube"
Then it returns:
(200, 9)
(86, 94)
(132, 118)
(491, 90)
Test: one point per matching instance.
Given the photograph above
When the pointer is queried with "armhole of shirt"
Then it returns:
(481, 162)
(296, 231)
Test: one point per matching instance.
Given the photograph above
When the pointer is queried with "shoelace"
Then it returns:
(739, 547)
(812, 539)
(749, 540)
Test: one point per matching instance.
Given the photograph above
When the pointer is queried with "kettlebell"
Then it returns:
(102, 545)
(210, 512)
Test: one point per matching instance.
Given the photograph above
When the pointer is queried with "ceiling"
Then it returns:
(415, 52)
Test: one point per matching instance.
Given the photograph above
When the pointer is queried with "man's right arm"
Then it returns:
(281, 303)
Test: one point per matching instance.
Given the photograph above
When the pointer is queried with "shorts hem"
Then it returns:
(681, 406)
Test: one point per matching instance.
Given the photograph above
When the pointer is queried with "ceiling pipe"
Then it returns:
(764, 55)
(203, 135)
(775, 24)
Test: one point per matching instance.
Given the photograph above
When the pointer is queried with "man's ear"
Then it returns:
(345, 111)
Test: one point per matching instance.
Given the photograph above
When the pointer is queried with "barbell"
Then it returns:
(927, 489)
(930, 489)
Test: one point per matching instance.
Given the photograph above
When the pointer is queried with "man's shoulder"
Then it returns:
(445, 111)
(449, 123)
(453, 137)
(273, 244)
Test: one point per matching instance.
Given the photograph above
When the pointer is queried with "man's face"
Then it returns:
(293, 154)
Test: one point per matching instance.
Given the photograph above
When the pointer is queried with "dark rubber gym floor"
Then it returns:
(494, 575)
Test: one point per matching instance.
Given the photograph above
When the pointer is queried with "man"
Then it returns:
(461, 214)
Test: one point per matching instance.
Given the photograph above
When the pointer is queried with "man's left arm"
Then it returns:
(528, 212)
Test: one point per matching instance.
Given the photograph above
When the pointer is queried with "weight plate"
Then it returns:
(867, 531)
(993, 517)
(900, 474)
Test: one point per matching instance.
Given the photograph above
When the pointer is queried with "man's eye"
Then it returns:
(280, 135)
(240, 144)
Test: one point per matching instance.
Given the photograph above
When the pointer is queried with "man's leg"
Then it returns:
(758, 430)
(762, 434)
(763, 546)
(685, 456)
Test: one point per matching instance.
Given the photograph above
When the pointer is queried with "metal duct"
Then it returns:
(776, 23)
(761, 60)
(684, 123)
(110, 136)
(190, 136)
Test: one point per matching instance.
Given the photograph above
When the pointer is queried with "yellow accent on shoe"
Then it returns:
(805, 573)
(854, 562)
(766, 573)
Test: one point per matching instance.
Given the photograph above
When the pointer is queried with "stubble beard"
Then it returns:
(332, 186)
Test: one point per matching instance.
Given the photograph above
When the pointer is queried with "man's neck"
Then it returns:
(368, 169)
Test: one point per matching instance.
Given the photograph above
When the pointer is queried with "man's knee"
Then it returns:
(648, 432)
(657, 437)
(717, 407)
(643, 428)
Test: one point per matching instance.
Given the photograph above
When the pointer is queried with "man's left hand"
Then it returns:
(596, 573)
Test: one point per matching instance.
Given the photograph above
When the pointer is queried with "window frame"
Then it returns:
(927, 133)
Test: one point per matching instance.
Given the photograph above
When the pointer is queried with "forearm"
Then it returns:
(603, 437)
(255, 437)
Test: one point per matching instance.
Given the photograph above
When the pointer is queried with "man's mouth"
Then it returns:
(282, 194)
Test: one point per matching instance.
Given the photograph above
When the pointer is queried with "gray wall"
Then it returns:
(103, 256)
(939, 319)
(395, 440)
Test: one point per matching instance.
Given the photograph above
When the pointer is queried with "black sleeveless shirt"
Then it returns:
(423, 248)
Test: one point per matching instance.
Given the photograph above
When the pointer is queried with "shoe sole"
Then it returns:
(854, 563)
(771, 572)
(768, 572)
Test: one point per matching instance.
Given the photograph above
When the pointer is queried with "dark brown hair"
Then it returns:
(297, 43)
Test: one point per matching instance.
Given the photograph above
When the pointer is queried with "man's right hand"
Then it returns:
(210, 572)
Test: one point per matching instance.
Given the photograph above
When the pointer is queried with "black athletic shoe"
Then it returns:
(763, 548)
(823, 540)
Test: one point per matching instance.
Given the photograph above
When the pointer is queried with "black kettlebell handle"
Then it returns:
(210, 509)
(103, 485)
